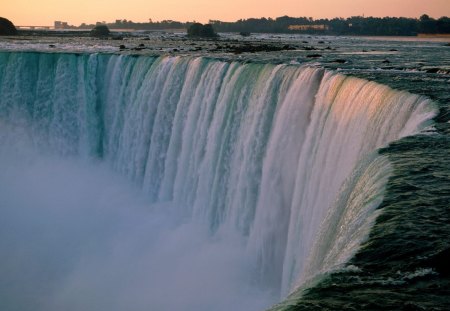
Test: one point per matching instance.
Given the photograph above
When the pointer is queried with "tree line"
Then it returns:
(356, 25)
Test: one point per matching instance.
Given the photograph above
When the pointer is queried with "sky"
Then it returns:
(75, 12)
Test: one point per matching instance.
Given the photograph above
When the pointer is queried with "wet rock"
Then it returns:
(254, 48)
(313, 55)
(386, 61)
(288, 47)
(432, 70)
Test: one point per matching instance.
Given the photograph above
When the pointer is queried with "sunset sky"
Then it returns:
(75, 12)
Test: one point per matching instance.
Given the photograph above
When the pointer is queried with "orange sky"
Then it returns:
(75, 12)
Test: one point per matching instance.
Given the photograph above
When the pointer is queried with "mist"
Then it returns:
(74, 235)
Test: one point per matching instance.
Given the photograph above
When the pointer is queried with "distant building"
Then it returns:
(61, 25)
(308, 27)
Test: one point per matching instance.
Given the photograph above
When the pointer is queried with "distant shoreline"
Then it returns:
(85, 32)
(438, 35)
(351, 26)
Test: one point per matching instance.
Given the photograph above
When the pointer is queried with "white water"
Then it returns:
(252, 178)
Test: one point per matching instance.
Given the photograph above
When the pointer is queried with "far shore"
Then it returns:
(83, 32)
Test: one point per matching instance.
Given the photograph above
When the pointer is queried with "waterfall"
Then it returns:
(285, 156)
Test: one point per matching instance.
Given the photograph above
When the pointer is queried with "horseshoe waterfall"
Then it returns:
(182, 183)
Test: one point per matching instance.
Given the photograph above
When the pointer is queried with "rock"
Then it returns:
(432, 70)
(386, 61)
(340, 61)
(51, 45)
(7, 28)
(100, 31)
(245, 33)
(254, 48)
(122, 47)
(289, 47)
(313, 55)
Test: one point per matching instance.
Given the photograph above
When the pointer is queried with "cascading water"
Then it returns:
(283, 157)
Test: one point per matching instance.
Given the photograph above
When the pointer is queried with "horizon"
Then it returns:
(73, 12)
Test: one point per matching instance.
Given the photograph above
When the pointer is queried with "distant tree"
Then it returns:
(194, 30)
(200, 30)
(7, 28)
(443, 25)
(427, 24)
(208, 31)
(100, 31)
